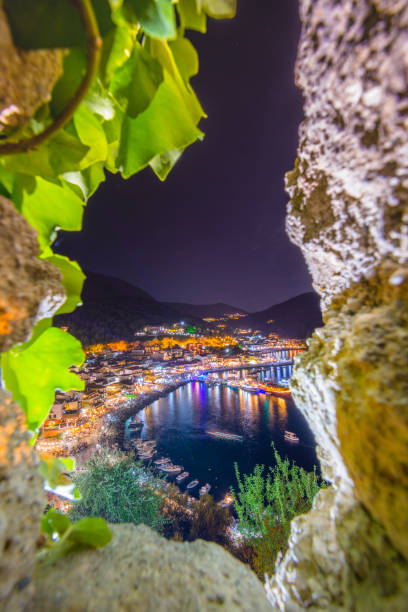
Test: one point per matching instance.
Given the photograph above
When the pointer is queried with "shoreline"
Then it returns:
(114, 422)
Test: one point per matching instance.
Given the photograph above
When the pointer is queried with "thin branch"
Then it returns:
(94, 44)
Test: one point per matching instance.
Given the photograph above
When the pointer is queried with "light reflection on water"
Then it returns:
(180, 420)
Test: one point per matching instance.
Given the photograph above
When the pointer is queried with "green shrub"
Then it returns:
(266, 503)
(119, 490)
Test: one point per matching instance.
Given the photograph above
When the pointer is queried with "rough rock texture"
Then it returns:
(349, 190)
(349, 215)
(30, 288)
(26, 78)
(141, 571)
(21, 503)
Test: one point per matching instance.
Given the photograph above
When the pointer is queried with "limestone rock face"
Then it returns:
(349, 215)
(30, 288)
(349, 190)
(26, 78)
(21, 503)
(139, 570)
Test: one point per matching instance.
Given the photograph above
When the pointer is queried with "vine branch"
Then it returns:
(94, 44)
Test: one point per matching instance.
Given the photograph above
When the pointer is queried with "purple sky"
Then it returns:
(214, 230)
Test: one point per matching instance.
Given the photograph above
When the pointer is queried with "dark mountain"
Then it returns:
(114, 310)
(296, 318)
(99, 286)
(204, 310)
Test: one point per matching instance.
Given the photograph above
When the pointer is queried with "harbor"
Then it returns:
(195, 434)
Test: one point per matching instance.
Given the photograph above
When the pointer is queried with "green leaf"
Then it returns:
(32, 373)
(163, 163)
(51, 207)
(72, 279)
(157, 17)
(90, 532)
(100, 101)
(91, 134)
(185, 56)
(117, 48)
(219, 9)
(167, 124)
(137, 81)
(62, 153)
(45, 24)
(53, 470)
(74, 67)
(54, 522)
(87, 181)
(190, 17)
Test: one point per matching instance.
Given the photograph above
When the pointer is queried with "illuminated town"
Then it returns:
(125, 376)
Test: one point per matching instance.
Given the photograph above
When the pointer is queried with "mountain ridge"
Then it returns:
(114, 309)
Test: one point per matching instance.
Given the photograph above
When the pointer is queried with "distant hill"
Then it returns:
(204, 310)
(114, 310)
(298, 317)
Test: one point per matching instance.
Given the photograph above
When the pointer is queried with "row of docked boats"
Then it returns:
(146, 449)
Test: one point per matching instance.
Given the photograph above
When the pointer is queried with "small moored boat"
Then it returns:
(290, 436)
(205, 489)
(172, 469)
(182, 476)
(192, 484)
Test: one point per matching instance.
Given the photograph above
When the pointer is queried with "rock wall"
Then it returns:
(349, 215)
(140, 570)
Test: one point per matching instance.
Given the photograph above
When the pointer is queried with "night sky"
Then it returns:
(214, 230)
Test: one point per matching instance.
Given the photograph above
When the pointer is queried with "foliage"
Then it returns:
(119, 106)
(64, 537)
(209, 520)
(266, 503)
(116, 488)
(54, 471)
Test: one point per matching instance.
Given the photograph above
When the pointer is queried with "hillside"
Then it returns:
(114, 310)
(204, 310)
(297, 317)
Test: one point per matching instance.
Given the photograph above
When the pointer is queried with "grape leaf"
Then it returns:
(137, 81)
(117, 48)
(54, 522)
(167, 124)
(45, 24)
(90, 531)
(157, 17)
(190, 16)
(91, 134)
(185, 56)
(50, 207)
(163, 163)
(32, 373)
(62, 153)
(72, 279)
(87, 181)
(74, 67)
(219, 9)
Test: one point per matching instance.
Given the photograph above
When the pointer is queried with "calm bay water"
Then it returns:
(180, 422)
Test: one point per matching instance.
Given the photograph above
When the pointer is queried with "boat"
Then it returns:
(147, 455)
(275, 390)
(227, 501)
(135, 425)
(227, 436)
(172, 469)
(182, 476)
(290, 436)
(205, 489)
(162, 461)
(192, 484)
